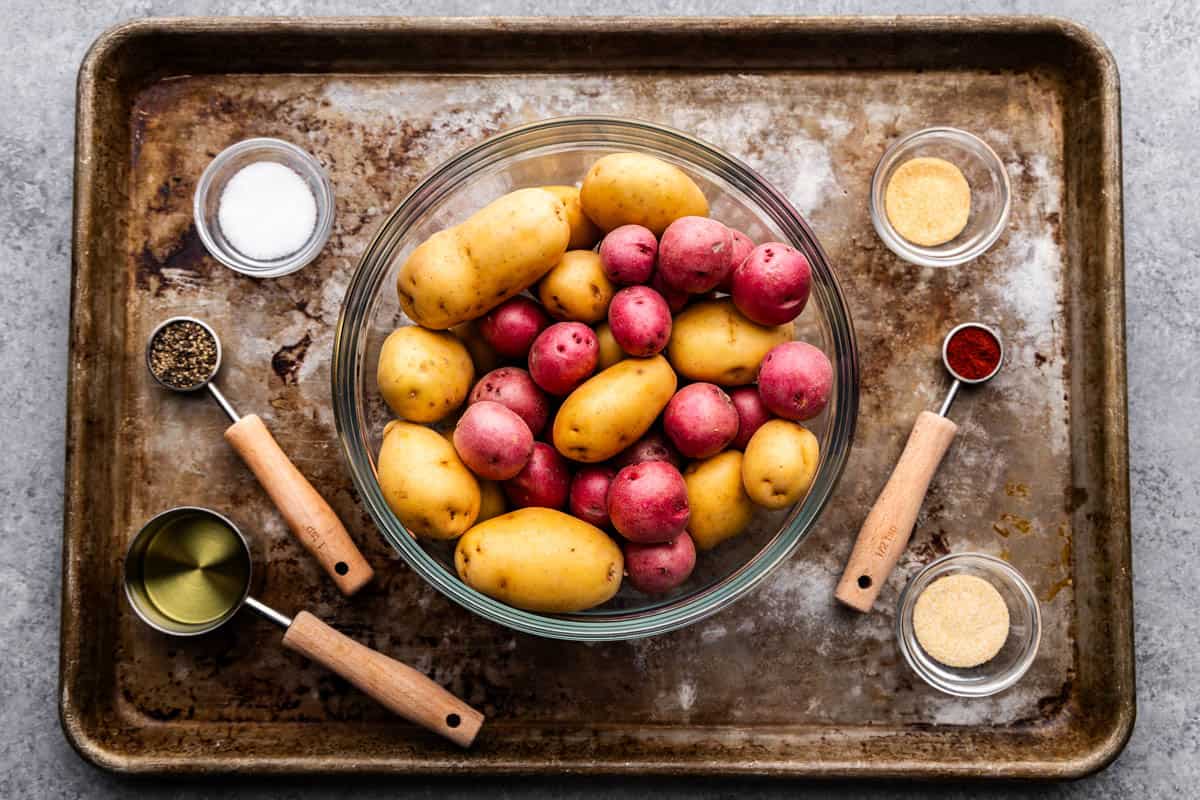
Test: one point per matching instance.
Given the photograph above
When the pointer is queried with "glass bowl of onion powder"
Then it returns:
(940, 197)
(264, 207)
(968, 624)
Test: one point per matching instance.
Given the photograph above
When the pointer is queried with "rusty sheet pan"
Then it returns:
(785, 683)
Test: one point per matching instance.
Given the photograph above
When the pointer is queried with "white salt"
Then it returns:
(267, 211)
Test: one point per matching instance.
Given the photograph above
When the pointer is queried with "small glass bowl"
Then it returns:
(990, 195)
(1024, 632)
(227, 164)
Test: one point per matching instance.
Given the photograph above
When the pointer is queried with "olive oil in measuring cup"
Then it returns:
(187, 572)
(191, 572)
(195, 570)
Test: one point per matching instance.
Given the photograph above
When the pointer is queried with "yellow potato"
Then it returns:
(610, 351)
(576, 288)
(711, 341)
(584, 233)
(492, 502)
(612, 409)
(424, 375)
(542, 560)
(425, 484)
(780, 463)
(483, 356)
(465, 271)
(719, 504)
(635, 188)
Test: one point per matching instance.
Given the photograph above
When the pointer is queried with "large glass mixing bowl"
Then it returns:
(560, 151)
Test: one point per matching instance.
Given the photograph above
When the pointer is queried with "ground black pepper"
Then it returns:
(183, 355)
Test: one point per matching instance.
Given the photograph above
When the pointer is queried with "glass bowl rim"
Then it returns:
(928, 256)
(996, 566)
(666, 615)
(324, 199)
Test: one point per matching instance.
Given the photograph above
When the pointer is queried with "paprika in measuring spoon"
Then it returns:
(972, 354)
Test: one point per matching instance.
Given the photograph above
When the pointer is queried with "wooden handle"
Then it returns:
(398, 687)
(306, 512)
(886, 531)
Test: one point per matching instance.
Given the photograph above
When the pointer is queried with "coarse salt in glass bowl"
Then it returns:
(559, 151)
(221, 170)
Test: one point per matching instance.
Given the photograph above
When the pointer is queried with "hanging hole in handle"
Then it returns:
(453, 720)
(864, 581)
(341, 568)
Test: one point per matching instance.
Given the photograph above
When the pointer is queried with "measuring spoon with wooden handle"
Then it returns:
(191, 551)
(889, 525)
(310, 518)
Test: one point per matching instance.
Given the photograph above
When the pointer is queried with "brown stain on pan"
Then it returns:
(287, 359)
(183, 264)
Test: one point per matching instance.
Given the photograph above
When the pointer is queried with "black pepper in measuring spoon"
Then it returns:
(183, 354)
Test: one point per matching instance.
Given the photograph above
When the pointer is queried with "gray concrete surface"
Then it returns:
(1157, 45)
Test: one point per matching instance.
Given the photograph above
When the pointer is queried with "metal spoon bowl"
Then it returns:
(207, 383)
(959, 379)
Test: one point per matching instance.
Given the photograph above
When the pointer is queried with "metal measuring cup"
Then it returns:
(307, 514)
(888, 526)
(397, 686)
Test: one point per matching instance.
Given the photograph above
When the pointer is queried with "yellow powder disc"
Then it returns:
(961, 620)
(928, 201)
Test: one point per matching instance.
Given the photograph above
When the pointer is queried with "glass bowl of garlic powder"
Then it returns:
(940, 197)
(264, 207)
(968, 624)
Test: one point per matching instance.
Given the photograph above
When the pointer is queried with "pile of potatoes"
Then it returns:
(625, 405)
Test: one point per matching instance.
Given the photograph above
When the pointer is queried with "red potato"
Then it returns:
(648, 502)
(513, 388)
(640, 320)
(694, 254)
(752, 414)
(742, 245)
(659, 568)
(795, 380)
(676, 298)
(628, 254)
(772, 285)
(700, 420)
(563, 356)
(654, 446)
(492, 441)
(511, 327)
(589, 494)
(545, 480)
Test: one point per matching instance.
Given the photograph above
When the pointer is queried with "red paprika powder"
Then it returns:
(973, 353)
